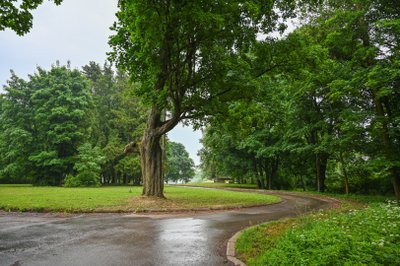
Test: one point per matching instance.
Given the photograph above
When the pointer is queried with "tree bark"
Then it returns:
(274, 171)
(137, 179)
(321, 163)
(151, 152)
(317, 172)
(303, 184)
(260, 184)
(151, 164)
(213, 172)
(114, 177)
(346, 177)
(261, 175)
(267, 174)
(395, 173)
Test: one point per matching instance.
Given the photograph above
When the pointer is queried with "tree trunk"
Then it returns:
(346, 177)
(303, 183)
(151, 152)
(152, 165)
(114, 177)
(266, 171)
(261, 175)
(396, 181)
(317, 172)
(260, 184)
(274, 171)
(321, 163)
(137, 179)
(213, 172)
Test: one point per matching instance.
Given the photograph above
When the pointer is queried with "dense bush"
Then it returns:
(88, 167)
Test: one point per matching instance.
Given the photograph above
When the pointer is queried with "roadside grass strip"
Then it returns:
(363, 236)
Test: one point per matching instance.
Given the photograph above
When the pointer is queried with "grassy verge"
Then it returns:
(351, 235)
(220, 185)
(121, 199)
(351, 197)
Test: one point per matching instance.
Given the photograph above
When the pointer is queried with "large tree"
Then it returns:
(16, 135)
(117, 118)
(17, 15)
(186, 55)
(43, 121)
(365, 35)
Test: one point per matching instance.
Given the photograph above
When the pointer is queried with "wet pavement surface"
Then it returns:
(129, 239)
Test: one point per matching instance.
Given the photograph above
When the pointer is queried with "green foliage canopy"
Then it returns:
(17, 16)
(43, 121)
(186, 54)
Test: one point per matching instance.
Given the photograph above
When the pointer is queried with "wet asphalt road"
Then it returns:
(127, 239)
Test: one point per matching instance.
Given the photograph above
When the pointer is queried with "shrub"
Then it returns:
(72, 181)
(88, 167)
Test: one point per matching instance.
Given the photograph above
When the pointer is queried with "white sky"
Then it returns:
(77, 31)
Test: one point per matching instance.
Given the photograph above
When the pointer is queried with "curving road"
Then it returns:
(127, 239)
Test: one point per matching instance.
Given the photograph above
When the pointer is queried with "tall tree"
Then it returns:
(61, 100)
(365, 34)
(186, 54)
(43, 121)
(16, 135)
(118, 119)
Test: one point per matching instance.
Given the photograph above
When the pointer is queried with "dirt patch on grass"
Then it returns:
(143, 204)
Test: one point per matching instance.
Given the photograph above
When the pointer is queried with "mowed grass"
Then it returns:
(221, 185)
(122, 199)
(352, 235)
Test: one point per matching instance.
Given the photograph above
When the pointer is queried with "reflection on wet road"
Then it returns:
(117, 239)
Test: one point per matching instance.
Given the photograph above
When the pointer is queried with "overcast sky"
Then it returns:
(76, 31)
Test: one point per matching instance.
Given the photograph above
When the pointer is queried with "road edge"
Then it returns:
(231, 251)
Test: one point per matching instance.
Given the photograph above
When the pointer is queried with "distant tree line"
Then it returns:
(66, 126)
(179, 166)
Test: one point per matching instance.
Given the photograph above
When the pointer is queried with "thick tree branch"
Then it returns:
(169, 124)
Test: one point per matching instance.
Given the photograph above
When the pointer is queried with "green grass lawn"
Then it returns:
(220, 185)
(121, 199)
(351, 235)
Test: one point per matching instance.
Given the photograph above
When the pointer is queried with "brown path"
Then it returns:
(123, 239)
